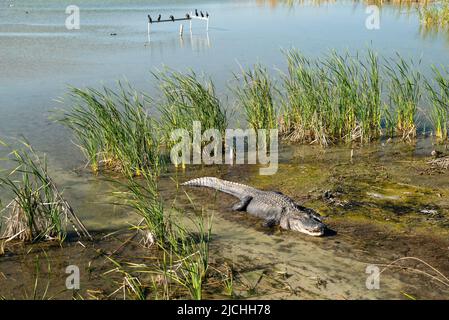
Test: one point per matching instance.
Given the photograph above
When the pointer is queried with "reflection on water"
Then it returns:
(189, 40)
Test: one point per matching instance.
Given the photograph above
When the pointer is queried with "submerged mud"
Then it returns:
(383, 202)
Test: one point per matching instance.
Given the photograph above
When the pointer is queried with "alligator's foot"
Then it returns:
(241, 206)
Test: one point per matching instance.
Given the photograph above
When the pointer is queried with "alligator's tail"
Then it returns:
(233, 188)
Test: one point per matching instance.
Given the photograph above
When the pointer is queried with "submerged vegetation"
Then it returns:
(38, 210)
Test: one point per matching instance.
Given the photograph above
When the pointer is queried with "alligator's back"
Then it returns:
(233, 188)
(240, 191)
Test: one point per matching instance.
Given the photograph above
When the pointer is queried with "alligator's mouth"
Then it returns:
(313, 228)
(314, 233)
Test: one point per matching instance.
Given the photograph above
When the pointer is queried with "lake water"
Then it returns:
(39, 58)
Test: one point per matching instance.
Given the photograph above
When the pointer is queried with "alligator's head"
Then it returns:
(305, 221)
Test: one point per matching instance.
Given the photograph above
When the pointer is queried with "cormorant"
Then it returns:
(196, 12)
(187, 16)
(202, 14)
(159, 18)
(149, 19)
(172, 18)
(207, 15)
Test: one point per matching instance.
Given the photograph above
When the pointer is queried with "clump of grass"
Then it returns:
(255, 94)
(143, 197)
(404, 96)
(185, 252)
(189, 254)
(435, 15)
(336, 98)
(131, 285)
(38, 210)
(439, 99)
(113, 129)
(186, 99)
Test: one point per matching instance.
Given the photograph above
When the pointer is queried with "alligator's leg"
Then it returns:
(264, 211)
(243, 204)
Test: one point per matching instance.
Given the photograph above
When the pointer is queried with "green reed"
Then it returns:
(38, 211)
(336, 98)
(186, 98)
(185, 251)
(189, 257)
(404, 96)
(438, 91)
(113, 129)
(434, 15)
(255, 95)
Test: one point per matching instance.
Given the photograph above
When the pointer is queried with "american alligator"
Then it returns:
(274, 207)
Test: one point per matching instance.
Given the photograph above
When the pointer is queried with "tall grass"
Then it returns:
(255, 95)
(435, 15)
(38, 210)
(438, 91)
(189, 257)
(404, 95)
(330, 99)
(185, 98)
(113, 129)
(185, 251)
(142, 196)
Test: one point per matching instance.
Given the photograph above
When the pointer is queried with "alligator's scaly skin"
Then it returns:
(274, 207)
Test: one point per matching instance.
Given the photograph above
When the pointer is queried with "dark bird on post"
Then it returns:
(187, 16)
(149, 19)
(202, 14)
(207, 15)
(159, 18)
(196, 12)
(172, 18)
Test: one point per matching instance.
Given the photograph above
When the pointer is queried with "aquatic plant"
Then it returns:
(434, 15)
(255, 95)
(189, 256)
(331, 99)
(438, 91)
(404, 96)
(185, 251)
(113, 129)
(38, 210)
(143, 197)
(185, 98)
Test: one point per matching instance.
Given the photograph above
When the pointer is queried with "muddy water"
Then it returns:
(383, 203)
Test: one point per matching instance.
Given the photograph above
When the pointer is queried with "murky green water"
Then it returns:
(378, 195)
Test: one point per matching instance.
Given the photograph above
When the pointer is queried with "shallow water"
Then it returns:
(379, 192)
